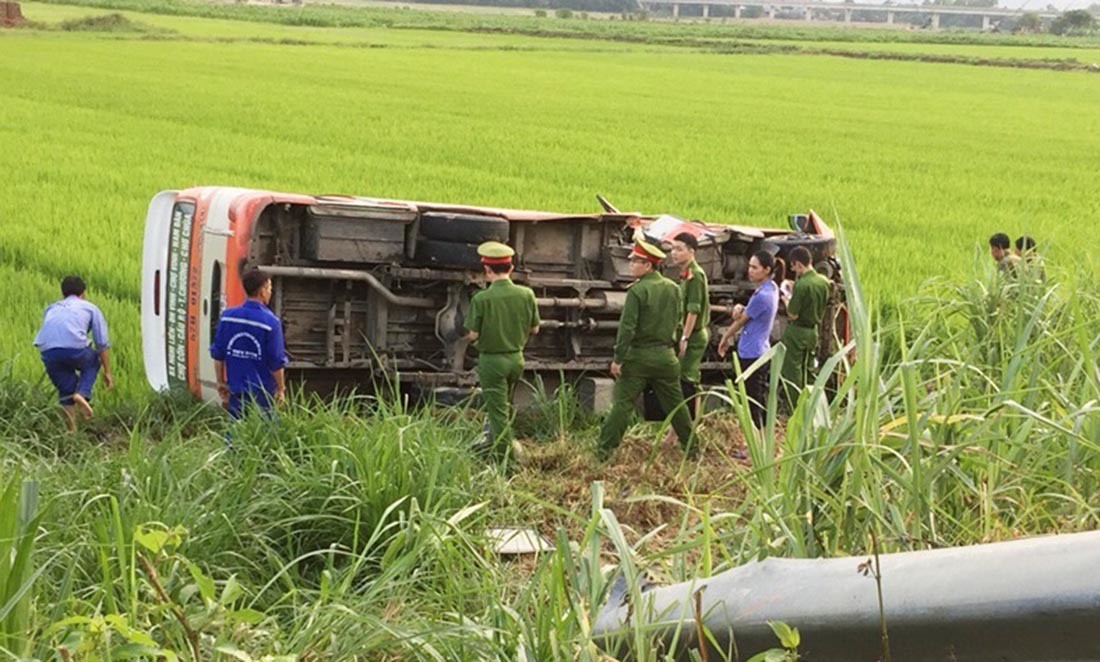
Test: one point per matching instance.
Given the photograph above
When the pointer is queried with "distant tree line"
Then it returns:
(1072, 22)
(1075, 21)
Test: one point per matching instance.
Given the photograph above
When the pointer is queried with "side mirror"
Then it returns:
(800, 223)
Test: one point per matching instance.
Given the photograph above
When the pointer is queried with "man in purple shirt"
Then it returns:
(248, 350)
(71, 364)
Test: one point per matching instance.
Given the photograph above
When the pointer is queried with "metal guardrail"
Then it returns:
(1030, 599)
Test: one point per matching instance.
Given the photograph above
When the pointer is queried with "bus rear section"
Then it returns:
(184, 286)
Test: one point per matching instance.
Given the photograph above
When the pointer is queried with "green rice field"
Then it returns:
(919, 161)
(320, 537)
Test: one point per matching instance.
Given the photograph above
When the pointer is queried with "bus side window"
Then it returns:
(215, 297)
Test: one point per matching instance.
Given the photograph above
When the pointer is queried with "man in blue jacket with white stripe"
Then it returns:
(248, 350)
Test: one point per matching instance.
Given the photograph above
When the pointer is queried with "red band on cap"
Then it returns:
(496, 260)
(640, 252)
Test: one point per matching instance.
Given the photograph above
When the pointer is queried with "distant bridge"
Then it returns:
(867, 13)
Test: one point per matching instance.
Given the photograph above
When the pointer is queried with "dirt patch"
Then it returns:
(107, 23)
(11, 15)
(1050, 65)
(649, 484)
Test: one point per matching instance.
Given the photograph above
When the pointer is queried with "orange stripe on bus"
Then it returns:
(194, 295)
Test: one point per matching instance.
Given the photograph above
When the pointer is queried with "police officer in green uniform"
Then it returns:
(804, 312)
(500, 319)
(694, 315)
(645, 353)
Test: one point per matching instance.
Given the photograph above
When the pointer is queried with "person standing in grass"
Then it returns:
(248, 352)
(694, 315)
(71, 363)
(500, 320)
(809, 297)
(1000, 248)
(754, 321)
(1028, 257)
(645, 352)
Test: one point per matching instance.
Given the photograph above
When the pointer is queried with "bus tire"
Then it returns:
(820, 247)
(431, 252)
(463, 228)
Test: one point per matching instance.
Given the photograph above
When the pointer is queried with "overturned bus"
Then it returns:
(371, 289)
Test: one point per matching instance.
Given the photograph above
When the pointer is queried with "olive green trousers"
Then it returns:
(659, 369)
(801, 344)
(498, 375)
(693, 357)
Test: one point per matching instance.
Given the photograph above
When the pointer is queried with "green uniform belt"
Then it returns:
(804, 326)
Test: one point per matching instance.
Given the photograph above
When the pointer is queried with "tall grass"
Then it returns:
(973, 417)
(986, 426)
(554, 413)
(355, 526)
(362, 517)
(19, 519)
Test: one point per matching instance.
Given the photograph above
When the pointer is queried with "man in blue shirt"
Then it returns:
(248, 350)
(71, 364)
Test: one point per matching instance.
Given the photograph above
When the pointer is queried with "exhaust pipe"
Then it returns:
(351, 274)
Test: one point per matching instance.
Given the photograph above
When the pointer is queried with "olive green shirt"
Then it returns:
(502, 315)
(649, 316)
(696, 299)
(808, 299)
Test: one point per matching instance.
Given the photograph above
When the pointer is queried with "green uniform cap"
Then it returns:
(648, 251)
(494, 252)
